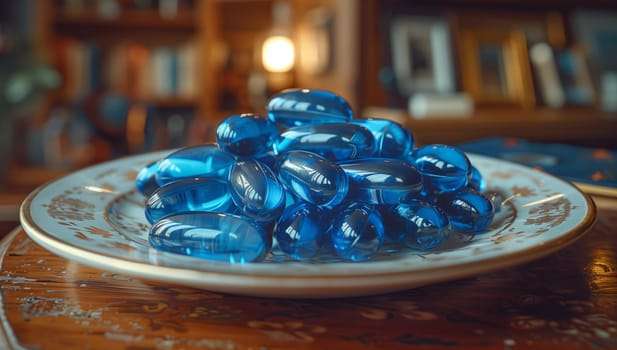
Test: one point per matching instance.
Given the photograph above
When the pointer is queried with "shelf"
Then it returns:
(161, 102)
(173, 102)
(128, 18)
(587, 127)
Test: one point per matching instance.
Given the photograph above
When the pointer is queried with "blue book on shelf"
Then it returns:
(173, 71)
(94, 56)
(594, 170)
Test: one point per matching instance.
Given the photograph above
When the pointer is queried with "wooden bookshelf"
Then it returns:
(580, 125)
(144, 28)
(150, 19)
(54, 23)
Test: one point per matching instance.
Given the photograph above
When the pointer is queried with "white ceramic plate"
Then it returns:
(94, 216)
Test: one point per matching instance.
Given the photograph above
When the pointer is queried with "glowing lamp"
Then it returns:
(278, 54)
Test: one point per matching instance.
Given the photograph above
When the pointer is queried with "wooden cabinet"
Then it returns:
(139, 52)
(525, 113)
(133, 45)
(144, 78)
(145, 58)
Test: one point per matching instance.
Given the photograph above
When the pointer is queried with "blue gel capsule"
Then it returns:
(196, 194)
(381, 181)
(498, 199)
(300, 231)
(290, 199)
(391, 139)
(476, 180)
(358, 232)
(196, 161)
(246, 134)
(296, 107)
(335, 141)
(443, 168)
(256, 190)
(313, 178)
(212, 236)
(417, 225)
(145, 181)
(268, 158)
(469, 211)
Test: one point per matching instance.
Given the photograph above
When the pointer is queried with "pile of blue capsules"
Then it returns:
(313, 180)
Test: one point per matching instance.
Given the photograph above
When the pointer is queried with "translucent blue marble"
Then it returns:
(313, 178)
(416, 225)
(358, 232)
(443, 168)
(335, 141)
(204, 194)
(391, 139)
(469, 211)
(145, 181)
(212, 236)
(476, 180)
(246, 134)
(381, 181)
(296, 107)
(301, 231)
(196, 161)
(256, 191)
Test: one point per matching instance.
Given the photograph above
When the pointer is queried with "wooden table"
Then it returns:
(565, 301)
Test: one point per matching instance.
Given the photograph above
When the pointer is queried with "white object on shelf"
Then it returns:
(437, 105)
(545, 67)
(168, 9)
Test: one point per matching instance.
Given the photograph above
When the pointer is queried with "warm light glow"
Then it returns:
(278, 54)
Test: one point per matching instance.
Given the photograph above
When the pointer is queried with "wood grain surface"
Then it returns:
(565, 301)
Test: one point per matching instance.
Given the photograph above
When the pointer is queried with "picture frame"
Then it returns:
(548, 84)
(421, 55)
(537, 27)
(494, 67)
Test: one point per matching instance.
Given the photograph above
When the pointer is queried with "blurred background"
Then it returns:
(84, 81)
